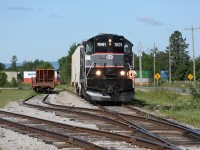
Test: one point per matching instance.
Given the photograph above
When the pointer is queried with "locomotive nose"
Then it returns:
(108, 60)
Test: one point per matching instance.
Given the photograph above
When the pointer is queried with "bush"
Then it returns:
(25, 86)
(3, 79)
(195, 91)
(14, 82)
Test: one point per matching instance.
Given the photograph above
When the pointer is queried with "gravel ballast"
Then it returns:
(10, 140)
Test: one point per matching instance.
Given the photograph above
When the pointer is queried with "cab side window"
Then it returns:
(89, 48)
(127, 49)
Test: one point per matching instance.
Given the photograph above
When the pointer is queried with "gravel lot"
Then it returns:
(10, 140)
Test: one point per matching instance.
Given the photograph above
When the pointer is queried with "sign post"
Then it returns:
(157, 77)
(190, 77)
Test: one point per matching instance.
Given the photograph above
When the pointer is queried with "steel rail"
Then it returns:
(131, 125)
(187, 130)
(46, 133)
(129, 139)
(177, 127)
(143, 118)
(123, 125)
(136, 126)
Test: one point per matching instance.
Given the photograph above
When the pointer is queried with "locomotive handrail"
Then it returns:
(129, 66)
(89, 71)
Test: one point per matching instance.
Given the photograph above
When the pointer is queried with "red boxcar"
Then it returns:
(44, 80)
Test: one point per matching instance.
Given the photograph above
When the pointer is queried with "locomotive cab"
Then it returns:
(105, 61)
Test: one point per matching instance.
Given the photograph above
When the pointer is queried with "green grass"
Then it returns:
(176, 106)
(187, 116)
(162, 97)
(177, 84)
(64, 87)
(8, 95)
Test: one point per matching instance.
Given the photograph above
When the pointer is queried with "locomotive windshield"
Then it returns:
(113, 44)
(108, 43)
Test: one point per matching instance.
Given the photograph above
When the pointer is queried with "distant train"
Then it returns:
(101, 68)
(44, 80)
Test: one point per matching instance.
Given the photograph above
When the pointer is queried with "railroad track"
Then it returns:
(104, 123)
(43, 129)
(67, 136)
(168, 132)
(122, 124)
(173, 132)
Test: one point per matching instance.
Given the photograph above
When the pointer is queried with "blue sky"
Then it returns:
(45, 29)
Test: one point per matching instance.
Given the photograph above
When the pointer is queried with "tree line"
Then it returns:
(181, 63)
(26, 66)
(65, 64)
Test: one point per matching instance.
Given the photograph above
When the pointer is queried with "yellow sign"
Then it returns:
(190, 76)
(157, 76)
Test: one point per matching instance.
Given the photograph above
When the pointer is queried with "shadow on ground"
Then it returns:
(134, 102)
(54, 92)
(137, 102)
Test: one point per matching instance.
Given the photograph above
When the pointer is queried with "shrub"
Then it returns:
(195, 91)
(14, 82)
(3, 79)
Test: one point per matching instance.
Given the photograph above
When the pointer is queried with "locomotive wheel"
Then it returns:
(85, 96)
(48, 90)
(77, 90)
(83, 93)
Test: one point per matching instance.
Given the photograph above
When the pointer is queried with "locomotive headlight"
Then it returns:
(98, 72)
(122, 73)
(109, 42)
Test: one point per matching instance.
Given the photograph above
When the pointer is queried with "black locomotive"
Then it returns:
(100, 68)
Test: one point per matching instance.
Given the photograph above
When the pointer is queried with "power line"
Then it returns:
(194, 72)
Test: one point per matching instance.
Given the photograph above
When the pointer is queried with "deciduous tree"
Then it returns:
(2, 66)
(37, 64)
(45, 65)
(14, 82)
(197, 68)
(65, 64)
(3, 78)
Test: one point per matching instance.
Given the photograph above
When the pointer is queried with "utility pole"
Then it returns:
(154, 65)
(133, 61)
(194, 71)
(140, 61)
(170, 75)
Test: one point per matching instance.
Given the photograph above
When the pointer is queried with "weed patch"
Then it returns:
(7, 96)
(183, 108)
